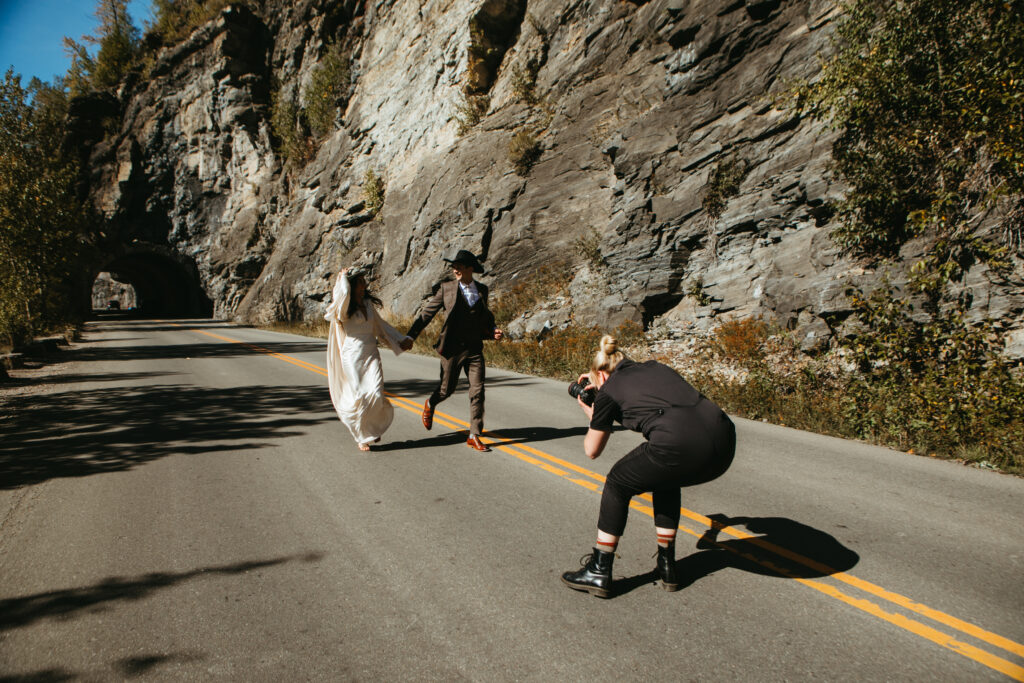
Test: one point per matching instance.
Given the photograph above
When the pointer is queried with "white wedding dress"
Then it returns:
(354, 372)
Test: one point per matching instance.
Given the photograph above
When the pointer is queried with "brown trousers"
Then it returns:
(472, 362)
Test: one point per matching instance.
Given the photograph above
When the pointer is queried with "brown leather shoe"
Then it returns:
(474, 442)
(428, 414)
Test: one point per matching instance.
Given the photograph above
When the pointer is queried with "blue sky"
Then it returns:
(32, 33)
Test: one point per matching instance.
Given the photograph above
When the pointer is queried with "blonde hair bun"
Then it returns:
(608, 354)
(609, 345)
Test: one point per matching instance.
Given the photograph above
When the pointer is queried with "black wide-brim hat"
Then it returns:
(467, 258)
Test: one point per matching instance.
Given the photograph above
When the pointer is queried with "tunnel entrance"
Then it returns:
(160, 282)
(109, 294)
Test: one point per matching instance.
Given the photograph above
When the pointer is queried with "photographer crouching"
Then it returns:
(689, 441)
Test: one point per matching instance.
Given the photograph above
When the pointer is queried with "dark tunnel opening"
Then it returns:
(162, 284)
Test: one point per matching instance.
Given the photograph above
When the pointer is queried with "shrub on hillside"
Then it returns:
(373, 192)
(524, 150)
(287, 125)
(471, 110)
(325, 94)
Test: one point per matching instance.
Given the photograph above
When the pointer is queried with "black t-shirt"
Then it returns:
(606, 412)
(653, 399)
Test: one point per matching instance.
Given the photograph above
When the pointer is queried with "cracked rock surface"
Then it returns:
(633, 106)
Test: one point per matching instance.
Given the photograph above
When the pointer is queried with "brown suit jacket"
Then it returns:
(445, 298)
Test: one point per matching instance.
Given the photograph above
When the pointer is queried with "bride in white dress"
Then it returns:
(354, 372)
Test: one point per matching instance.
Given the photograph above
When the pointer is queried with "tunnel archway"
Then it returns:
(165, 283)
(110, 294)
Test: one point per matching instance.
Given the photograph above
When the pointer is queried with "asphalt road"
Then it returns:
(183, 504)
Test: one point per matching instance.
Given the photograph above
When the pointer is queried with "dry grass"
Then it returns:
(547, 282)
(563, 355)
(742, 339)
(316, 328)
(524, 150)
(756, 372)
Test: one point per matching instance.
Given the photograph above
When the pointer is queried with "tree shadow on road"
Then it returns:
(63, 604)
(54, 675)
(79, 433)
(136, 666)
(83, 378)
(120, 322)
(217, 349)
(780, 547)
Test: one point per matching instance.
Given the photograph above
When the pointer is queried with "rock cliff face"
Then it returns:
(632, 105)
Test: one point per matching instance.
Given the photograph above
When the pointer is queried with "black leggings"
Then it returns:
(662, 475)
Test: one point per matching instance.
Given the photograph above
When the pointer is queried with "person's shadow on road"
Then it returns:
(781, 547)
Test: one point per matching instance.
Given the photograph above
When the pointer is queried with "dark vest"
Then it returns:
(465, 325)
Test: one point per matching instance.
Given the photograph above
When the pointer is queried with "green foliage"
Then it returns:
(327, 89)
(43, 226)
(810, 398)
(695, 289)
(724, 183)
(929, 97)
(933, 383)
(287, 124)
(118, 41)
(176, 19)
(929, 102)
(524, 150)
(79, 75)
(524, 82)
(295, 127)
(471, 110)
(962, 404)
(373, 192)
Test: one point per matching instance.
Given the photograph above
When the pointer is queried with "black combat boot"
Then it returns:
(596, 575)
(666, 569)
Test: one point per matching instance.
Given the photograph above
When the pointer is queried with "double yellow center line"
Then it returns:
(592, 481)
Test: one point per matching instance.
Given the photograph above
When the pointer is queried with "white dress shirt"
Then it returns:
(470, 292)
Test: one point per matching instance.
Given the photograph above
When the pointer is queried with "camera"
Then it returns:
(583, 391)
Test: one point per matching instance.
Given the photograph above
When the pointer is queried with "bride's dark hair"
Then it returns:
(353, 305)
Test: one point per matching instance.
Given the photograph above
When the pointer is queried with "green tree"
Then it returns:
(288, 124)
(175, 19)
(42, 224)
(325, 94)
(79, 76)
(118, 40)
(928, 99)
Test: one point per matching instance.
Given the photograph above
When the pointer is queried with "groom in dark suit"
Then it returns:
(467, 323)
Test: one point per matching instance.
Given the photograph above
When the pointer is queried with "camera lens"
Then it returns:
(583, 391)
